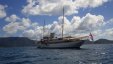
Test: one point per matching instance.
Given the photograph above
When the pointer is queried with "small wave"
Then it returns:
(103, 53)
(23, 62)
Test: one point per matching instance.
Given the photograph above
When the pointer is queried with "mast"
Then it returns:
(63, 23)
(43, 27)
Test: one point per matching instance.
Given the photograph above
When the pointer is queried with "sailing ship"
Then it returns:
(63, 42)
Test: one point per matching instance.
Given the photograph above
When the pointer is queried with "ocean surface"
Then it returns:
(88, 54)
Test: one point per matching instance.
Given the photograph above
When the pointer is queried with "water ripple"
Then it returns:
(89, 54)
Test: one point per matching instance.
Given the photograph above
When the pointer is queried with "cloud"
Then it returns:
(89, 3)
(75, 27)
(29, 33)
(56, 27)
(2, 11)
(12, 18)
(55, 7)
(35, 33)
(91, 22)
(75, 22)
(108, 24)
(11, 27)
(104, 34)
(107, 30)
(15, 26)
(26, 22)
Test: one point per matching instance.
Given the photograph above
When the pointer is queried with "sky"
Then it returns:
(25, 18)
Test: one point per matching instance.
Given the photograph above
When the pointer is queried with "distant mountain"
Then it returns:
(100, 41)
(103, 41)
(16, 41)
(23, 41)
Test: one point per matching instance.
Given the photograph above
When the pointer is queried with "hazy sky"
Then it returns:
(26, 17)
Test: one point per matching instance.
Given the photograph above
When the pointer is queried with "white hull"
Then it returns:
(75, 44)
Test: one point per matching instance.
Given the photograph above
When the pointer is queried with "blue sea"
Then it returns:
(88, 54)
